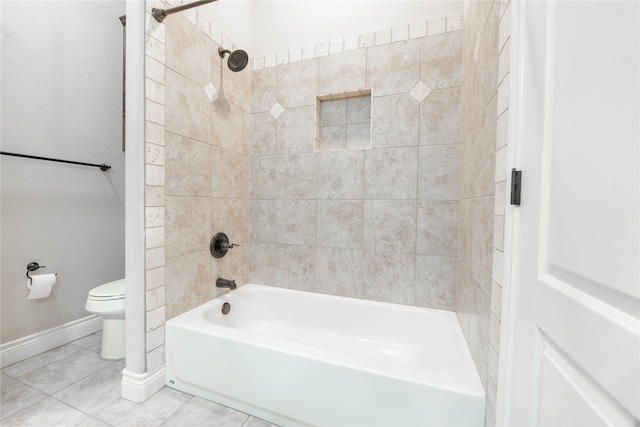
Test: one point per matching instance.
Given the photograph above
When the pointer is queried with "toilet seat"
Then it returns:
(109, 291)
(107, 300)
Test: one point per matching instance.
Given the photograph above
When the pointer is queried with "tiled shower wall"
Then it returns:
(197, 173)
(378, 223)
(483, 185)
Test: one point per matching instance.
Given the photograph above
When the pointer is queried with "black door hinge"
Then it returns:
(516, 186)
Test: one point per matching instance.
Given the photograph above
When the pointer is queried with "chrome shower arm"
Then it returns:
(160, 14)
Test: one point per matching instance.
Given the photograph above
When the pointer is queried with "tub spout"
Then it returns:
(224, 283)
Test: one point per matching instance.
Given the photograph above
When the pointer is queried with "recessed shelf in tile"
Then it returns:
(343, 121)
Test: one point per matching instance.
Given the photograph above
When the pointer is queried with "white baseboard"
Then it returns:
(32, 345)
(139, 387)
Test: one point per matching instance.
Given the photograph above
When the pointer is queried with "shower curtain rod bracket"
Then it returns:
(160, 14)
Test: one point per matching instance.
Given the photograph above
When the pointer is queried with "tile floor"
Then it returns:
(73, 386)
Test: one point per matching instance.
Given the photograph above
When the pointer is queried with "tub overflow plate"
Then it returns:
(226, 308)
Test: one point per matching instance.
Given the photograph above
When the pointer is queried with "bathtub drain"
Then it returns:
(226, 307)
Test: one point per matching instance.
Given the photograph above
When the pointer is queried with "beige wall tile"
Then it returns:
(263, 262)
(393, 68)
(437, 228)
(388, 276)
(263, 134)
(188, 50)
(390, 225)
(155, 318)
(154, 257)
(187, 282)
(339, 272)
(394, 121)
(296, 267)
(155, 278)
(482, 241)
(340, 223)
(296, 176)
(440, 117)
(342, 72)
(229, 174)
(263, 177)
(358, 136)
(340, 175)
(188, 110)
(236, 86)
(478, 156)
(154, 196)
(359, 109)
(435, 282)
(264, 86)
(296, 222)
(438, 172)
(479, 324)
(333, 112)
(187, 172)
(154, 237)
(332, 138)
(487, 64)
(154, 175)
(390, 173)
(298, 84)
(228, 127)
(187, 225)
(442, 60)
(263, 221)
(295, 130)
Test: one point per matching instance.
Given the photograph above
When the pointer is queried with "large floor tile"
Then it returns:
(61, 374)
(91, 342)
(153, 412)
(15, 396)
(36, 362)
(45, 413)
(202, 412)
(96, 391)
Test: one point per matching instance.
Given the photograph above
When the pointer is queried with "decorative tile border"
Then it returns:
(374, 38)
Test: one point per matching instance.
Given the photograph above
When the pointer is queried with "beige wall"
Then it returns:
(197, 171)
(378, 223)
(482, 186)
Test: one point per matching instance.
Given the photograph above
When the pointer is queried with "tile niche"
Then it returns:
(343, 121)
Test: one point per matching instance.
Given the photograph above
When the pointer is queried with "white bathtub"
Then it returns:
(300, 358)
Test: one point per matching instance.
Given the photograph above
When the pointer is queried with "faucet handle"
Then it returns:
(226, 246)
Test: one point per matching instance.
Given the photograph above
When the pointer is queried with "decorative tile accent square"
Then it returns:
(211, 91)
(276, 110)
(420, 91)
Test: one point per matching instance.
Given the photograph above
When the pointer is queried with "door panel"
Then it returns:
(565, 382)
(574, 332)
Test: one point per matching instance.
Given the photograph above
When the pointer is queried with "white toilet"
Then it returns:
(108, 301)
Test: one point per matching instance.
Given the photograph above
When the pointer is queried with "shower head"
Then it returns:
(238, 59)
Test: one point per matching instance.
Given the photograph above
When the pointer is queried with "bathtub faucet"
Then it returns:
(224, 283)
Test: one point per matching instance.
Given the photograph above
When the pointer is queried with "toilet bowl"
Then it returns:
(108, 301)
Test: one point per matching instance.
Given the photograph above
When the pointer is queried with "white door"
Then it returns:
(572, 344)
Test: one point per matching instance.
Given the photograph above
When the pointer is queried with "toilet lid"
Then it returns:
(111, 290)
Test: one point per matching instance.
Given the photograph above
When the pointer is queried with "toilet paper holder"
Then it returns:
(33, 266)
